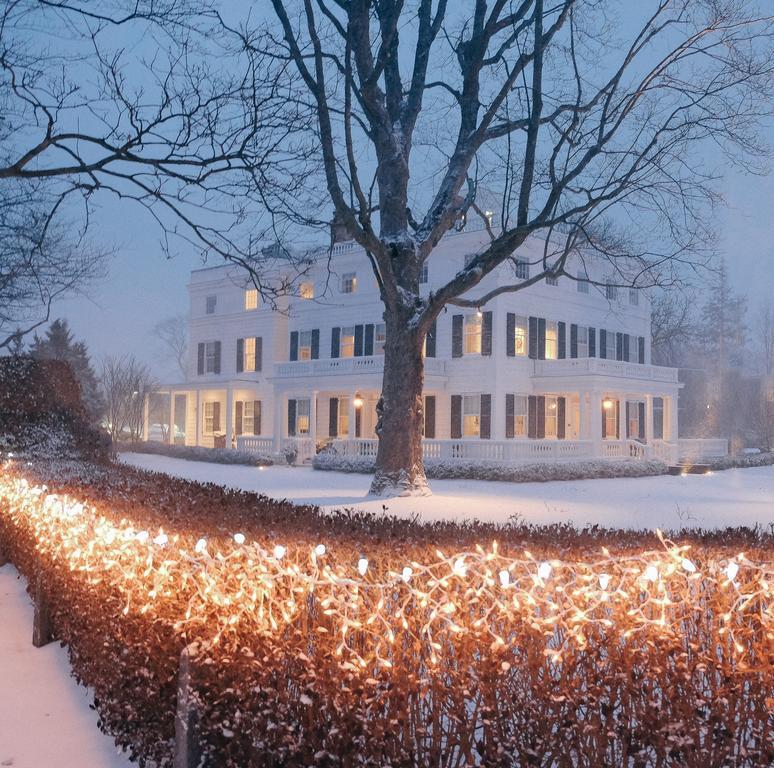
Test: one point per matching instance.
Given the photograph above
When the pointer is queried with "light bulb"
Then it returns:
(319, 550)
(651, 573)
(161, 539)
(505, 578)
(688, 565)
(142, 537)
(459, 567)
(279, 552)
(544, 570)
(201, 545)
(239, 538)
(362, 566)
(604, 580)
(731, 570)
(406, 575)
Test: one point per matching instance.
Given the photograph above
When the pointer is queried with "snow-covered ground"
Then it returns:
(45, 718)
(729, 498)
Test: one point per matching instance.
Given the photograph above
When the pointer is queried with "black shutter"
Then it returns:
(561, 353)
(291, 418)
(240, 360)
(603, 343)
(626, 347)
(541, 338)
(359, 341)
(238, 417)
(430, 417)
(256, 417)
(217, 357)
(510, 407)
(368, 343)
(430, 340)
(541, 416)
(641, 350)
(294, 345)
(510, 334)
(561, 418)
(457, 336)
(258, 353)
(216, 416)
(532, 416)
(592, 342)
(628, 416)
(315, 344)
(573, 340)
(486, 333)
(335, 341)
(533, 338)
(485, 429)
(333, 417)
(456, 416)
(619, 346)
(200, 359)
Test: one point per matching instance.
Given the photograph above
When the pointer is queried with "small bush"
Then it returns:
(742, 461)
(198, 453)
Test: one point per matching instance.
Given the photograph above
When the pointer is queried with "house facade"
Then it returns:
(558, 370)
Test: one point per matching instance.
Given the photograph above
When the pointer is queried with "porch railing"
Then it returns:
(602, 367)
(255, 444)
(348, 365)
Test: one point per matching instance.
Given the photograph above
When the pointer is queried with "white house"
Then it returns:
(559, 370)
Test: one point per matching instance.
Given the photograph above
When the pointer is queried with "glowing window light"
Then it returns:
(406, 575)
(604, 580)
(731, 570)
(544, 570)
(505, 578)
(320, 550)
(201, 546)
(279, 552)
(239, 538)
(362, 566)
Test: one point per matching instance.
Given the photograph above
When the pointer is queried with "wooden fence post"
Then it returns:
(187, 746)
(41, 622)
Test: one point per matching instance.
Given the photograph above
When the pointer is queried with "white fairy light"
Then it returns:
(239, 538)
(460, 569)
(544, 570)
(161, 539)
(505, 578)
(406, 575)
(279, 552)
(201, 546)
(320, 550)
(731, 570)
(142, 537)
(362, 566)
(604, 580)
(651, 573)
(688, 565)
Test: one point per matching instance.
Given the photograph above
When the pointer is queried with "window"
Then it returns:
(380, 337)
(551, 416)
(521, 269)
(209, 418)
(611, 292)
(552, 340)
(211, 357)
(249, 354)
(251, 417)
(473, 334)
(347, 342)
(583, 341)
(343, 420)
(469, 258)
(303, 409)
(520, 336)
(471, 415)
(349, 282)
(583, 283)
(658, 418)
(634, 297)
(611, 425)
(550, 280)
(423, 275)
(306, 290)
(305, 345)
(634, 419)
(520, 404)
(210, 303)
(251, 299)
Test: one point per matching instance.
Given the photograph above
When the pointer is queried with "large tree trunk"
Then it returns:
(399, 467)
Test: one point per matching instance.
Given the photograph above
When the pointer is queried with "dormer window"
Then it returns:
(349, 282)
(611, 292)
(521, 269)
(209, 304)
(251, 299)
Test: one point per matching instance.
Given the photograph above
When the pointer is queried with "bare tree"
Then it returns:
(593, 128)
(126, 383)
(674, 328)
(765, 336)
(172, 332)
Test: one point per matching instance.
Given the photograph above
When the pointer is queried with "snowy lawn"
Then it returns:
(730, 498)
(45, 718)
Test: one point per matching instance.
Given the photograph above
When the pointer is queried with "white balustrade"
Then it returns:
(254, 444)
(348, 365)
(702, 448)
(602, 367)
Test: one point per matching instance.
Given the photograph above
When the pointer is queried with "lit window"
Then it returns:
(520, 336)
(343, 425)
(380, 337)
(550, 280)
(303, 409)
(611, 292)
(473, 334)
(611, 426)
(471, 415)
(583, 283)
(423, 275)
(521, 269)
(634, 297)
(249, 354)
(583, 341)
(552, 341)
(251, 299)
(210, 356)
(520, 404)
(210, 303)
(634, 419)
(349, 282)
(551, 416)
(306, 290)
(305, 345)
(209, 418)
(658, 418)
(347, 342)
(251, 417)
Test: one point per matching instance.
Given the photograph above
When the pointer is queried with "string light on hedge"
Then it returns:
(161, 540)
(732, 569)
(544, 571)
(407, 573)
(279, 552)
(505, 578)
(239, 538)
(201, 546)
(319, 550)
(362, 566)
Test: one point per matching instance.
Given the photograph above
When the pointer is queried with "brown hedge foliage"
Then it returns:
(505, 684)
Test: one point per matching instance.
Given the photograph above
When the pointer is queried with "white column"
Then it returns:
(498, 415)
(670, 403)
(171, 435)
(595, 422)
(313, 419)
(145, 417)
(649, 419)
(229, 416)
(279, 407)
(583, 417)
(198, 417)
(351, 419)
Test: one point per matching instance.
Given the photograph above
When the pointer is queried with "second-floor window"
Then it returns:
(551, 280)
(380, 337)
(634, 297)
(583, 341)
(521, 269)
(583, 283)
(349, 282)
(472, 334)
(520, 336)
(347, 348)
(249, 354)
(552, 340)
(305, 345)
(211, 353)
(611, 292)
(251, 299)
(209, 304)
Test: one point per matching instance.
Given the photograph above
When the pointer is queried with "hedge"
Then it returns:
(197, 453)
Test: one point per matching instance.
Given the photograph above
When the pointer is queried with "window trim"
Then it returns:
(472, 414)
(210, 304)
(251, 299)
(472, 319)
(348, 282)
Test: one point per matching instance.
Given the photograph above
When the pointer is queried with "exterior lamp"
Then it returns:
(479, 313)
(607, 403)
(358, 401)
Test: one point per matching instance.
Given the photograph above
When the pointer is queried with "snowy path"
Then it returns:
(730, 498)
(45, 718)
